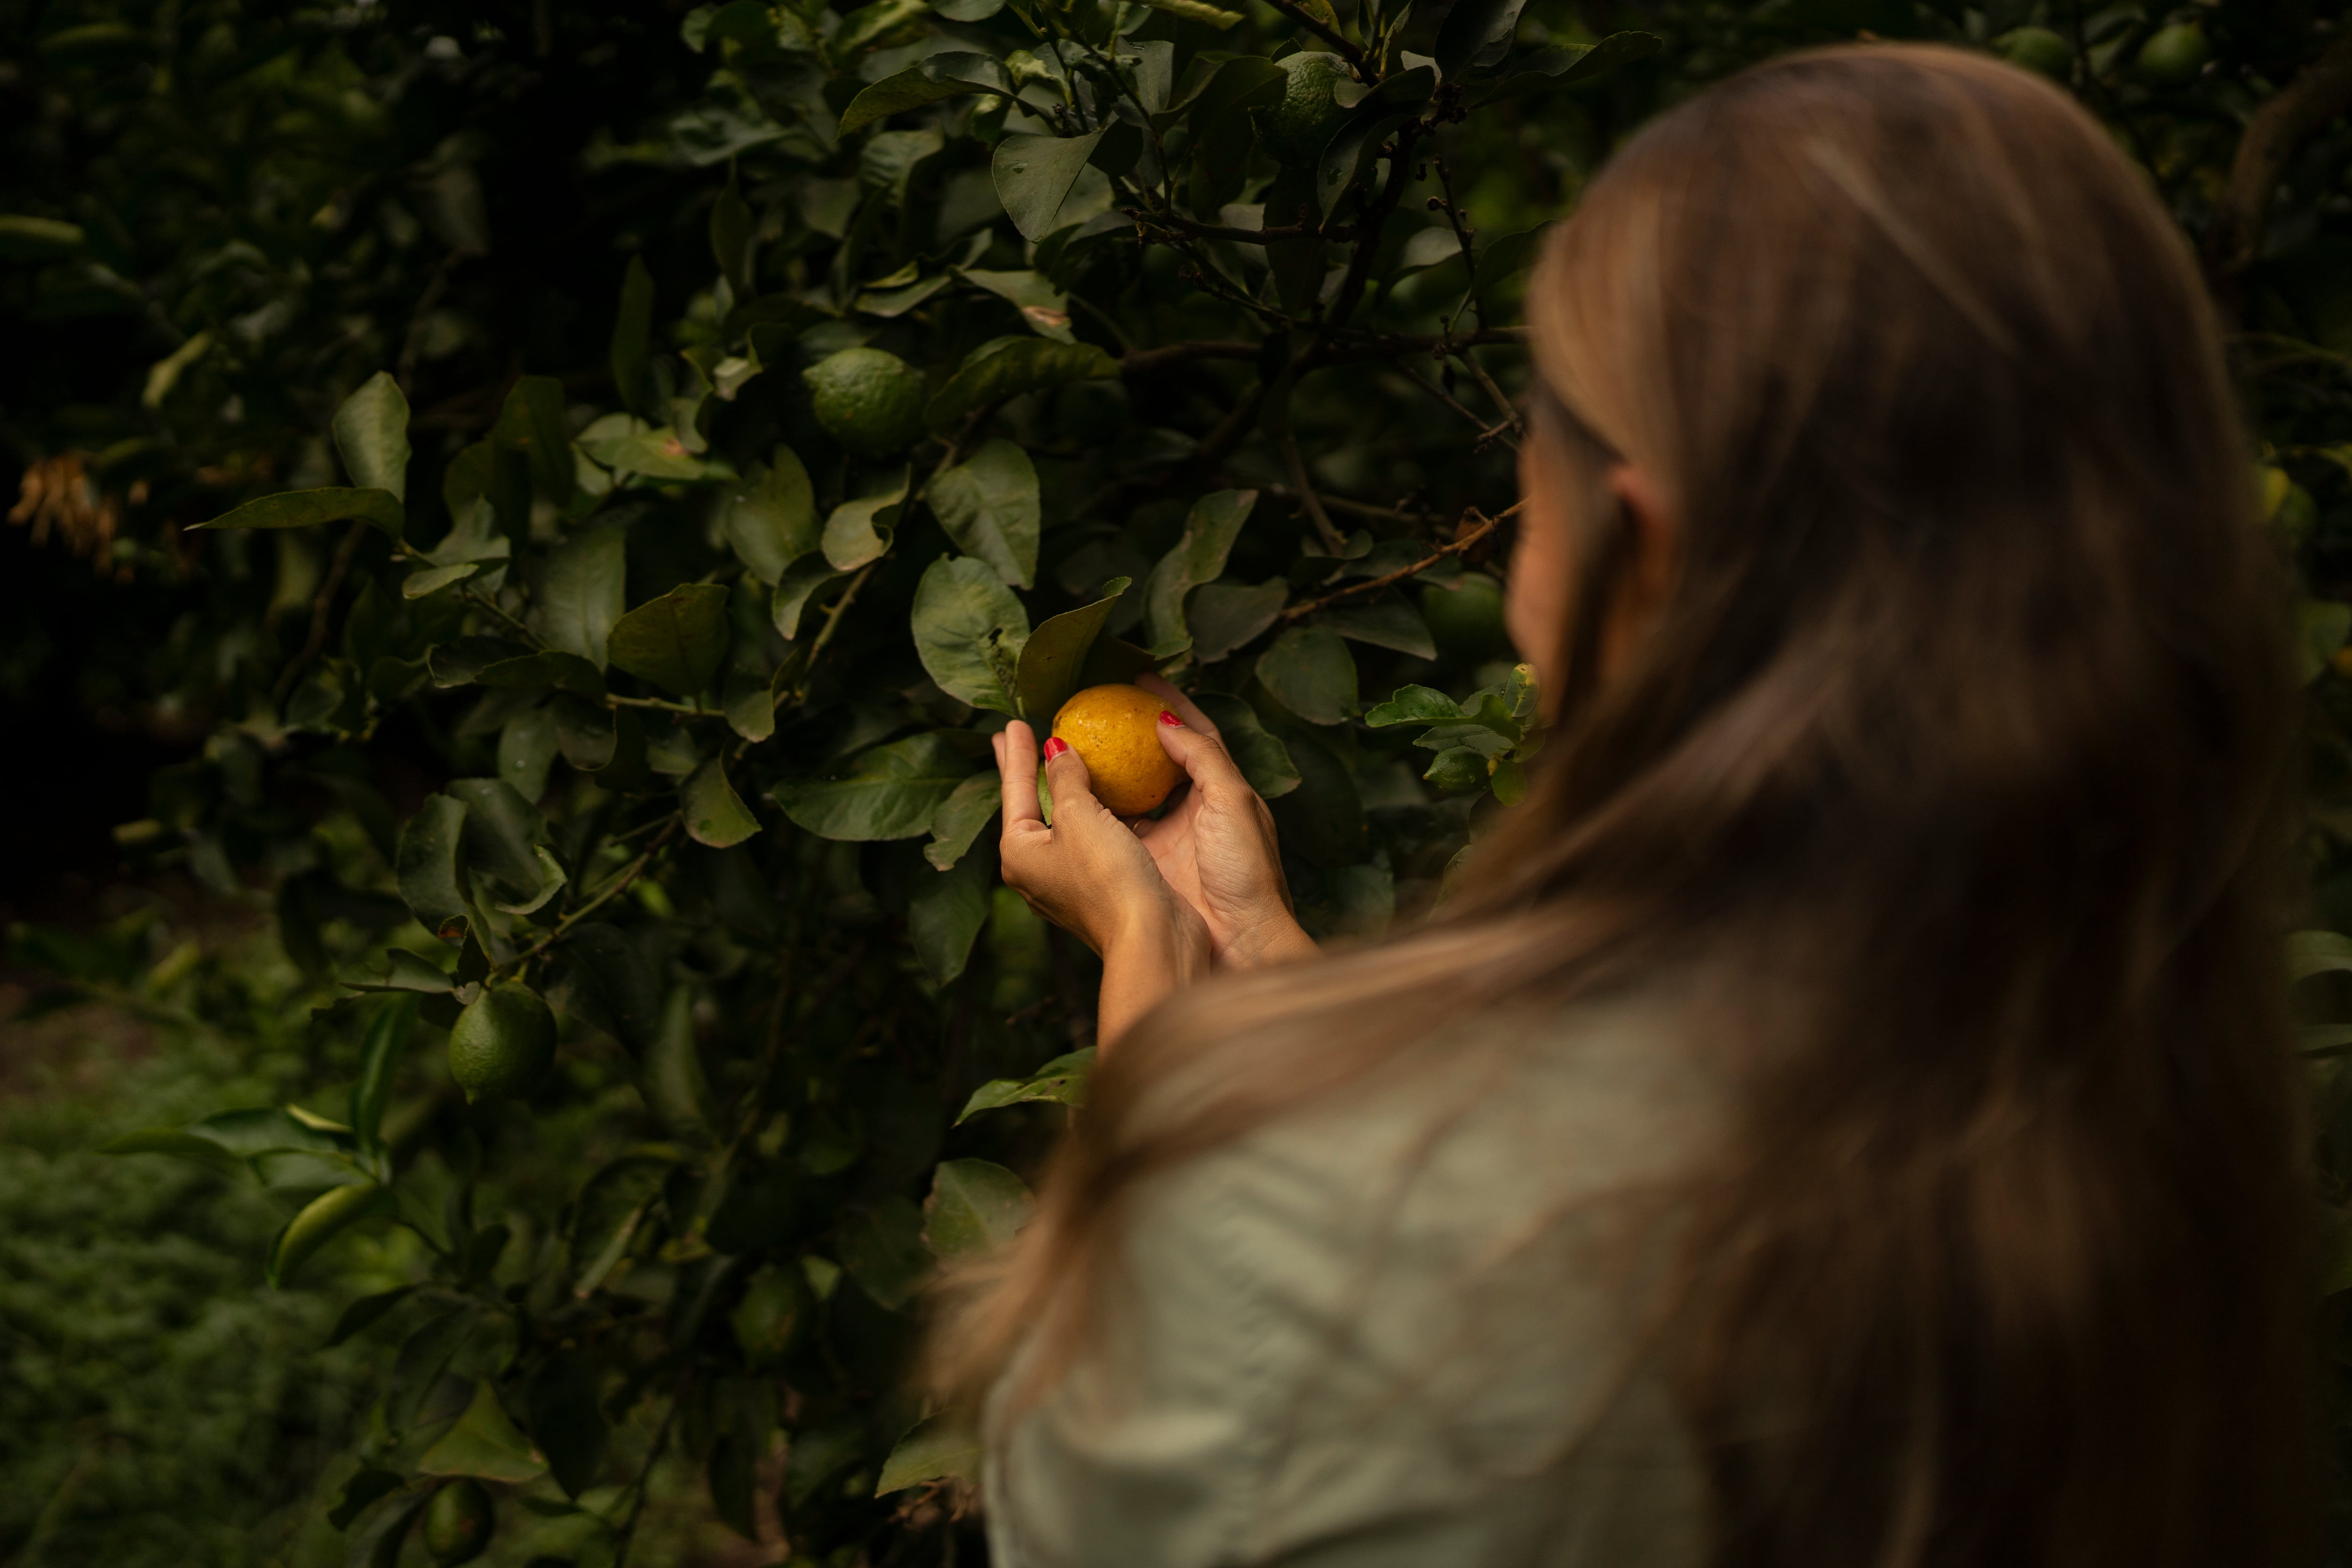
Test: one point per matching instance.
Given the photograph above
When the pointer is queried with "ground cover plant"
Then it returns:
(579, 485)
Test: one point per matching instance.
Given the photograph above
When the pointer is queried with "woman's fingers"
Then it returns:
(1067, 776)
(1016, 767)
(1205, 760)
(1180, 705)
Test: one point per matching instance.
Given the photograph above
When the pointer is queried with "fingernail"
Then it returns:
(1054, 747)
(1171, 719)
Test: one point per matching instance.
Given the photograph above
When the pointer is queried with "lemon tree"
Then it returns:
(570, 491)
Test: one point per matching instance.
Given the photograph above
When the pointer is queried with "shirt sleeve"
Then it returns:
(1359, 1342)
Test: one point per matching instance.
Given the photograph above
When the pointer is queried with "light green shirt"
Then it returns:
(1399, 1330)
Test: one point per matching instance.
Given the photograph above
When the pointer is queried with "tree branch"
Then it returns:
(1173, 220)
(1330, 34)
(2319, 92)
(320, 609)
(1374, 584)
(1308, 501)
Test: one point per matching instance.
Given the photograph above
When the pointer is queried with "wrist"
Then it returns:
(1277, 938)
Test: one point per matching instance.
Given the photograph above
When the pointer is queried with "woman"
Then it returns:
(1847, 1119)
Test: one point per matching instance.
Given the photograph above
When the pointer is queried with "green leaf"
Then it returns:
(733, 223)
(324, 1218)
(2310, 952)
(365, 1313)
(859, 531)
(675, 641)
(1260, 754)
(1457, 770)
(428, 866)
(883, 1249)
(988, 504)
(771, 517)
(674, 1083)
(945, 911)
(484, 1443)
(937, 1449)
(975, 1208)
(432, 579)
(371, 434)
(1386, 619)
(602, 977)
(1197, 557)
(568, 1419)
(1222, 616)
(869, 23)
(550, 671)
(933, 80)
(2325, 625)
(1414, 705)
(1056, 654)
(307, 509)
(1062, 1082)
(1034, 176)
(1476, 35)
(24, 238)
(893, 792)
(968, 630)
(1558, 66)
(715, 814)
(1322, 820)
(1198, 11)
(1007, 367)
(750, 705)
(576, 593)
(387, 1036)
(585, 732)
(1045, 308)
(794, 589)
(533, 423)
(362, 1489)
(960, 818)
(611, 1209)
(376, 1541)
(1309, 671)
(504, 840)
(632, 336)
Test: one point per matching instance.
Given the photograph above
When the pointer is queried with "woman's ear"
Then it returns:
(1654, 553)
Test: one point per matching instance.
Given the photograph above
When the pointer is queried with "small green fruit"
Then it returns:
(773, 1316)
(870, 400)
(459, 1522)
(502, 1044)
(1466, 616)
(2038, 49)
(2174, 54)
(1296, 130)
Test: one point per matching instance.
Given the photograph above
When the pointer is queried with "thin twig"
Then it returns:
(1346, 350)
(1485, 432)
(319, 608)
(1372, 218)
(1198, 230)
(412, 342)
(1308, 501)
(1374, 584)
(1353, 508)
(1510, 410)
(1339, 40)
(616, 886)
(2319, 92)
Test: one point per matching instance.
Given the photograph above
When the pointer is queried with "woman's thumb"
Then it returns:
(1066, 774)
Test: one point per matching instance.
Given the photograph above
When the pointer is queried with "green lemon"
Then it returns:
(2038, 49)
(870, 400)
(502, 1044)
(1466, 616)
(2174, 54)
(1296, 130)
(459, 1522)
(772, 1317)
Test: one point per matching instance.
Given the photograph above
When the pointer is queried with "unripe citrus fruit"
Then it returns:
(2176, 54)
(771, 1316)
(870, 400)
(2038, 49)
(459, 1522)
(503, 1044)
(1466, 616)
(1296, 130)
(1115, 730)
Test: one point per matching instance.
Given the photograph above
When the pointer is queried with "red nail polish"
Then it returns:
(1171, 719)
(1054, 747)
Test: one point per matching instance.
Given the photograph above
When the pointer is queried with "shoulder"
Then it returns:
(1389, 1306)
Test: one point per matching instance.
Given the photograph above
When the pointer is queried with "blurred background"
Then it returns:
(218, 218)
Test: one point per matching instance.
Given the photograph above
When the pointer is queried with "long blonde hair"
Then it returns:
(1963, 732)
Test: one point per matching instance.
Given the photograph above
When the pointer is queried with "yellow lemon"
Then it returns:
(1114, 731)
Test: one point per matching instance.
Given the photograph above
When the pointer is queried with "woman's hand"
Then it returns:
(1090, 875)
(1216, 847)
